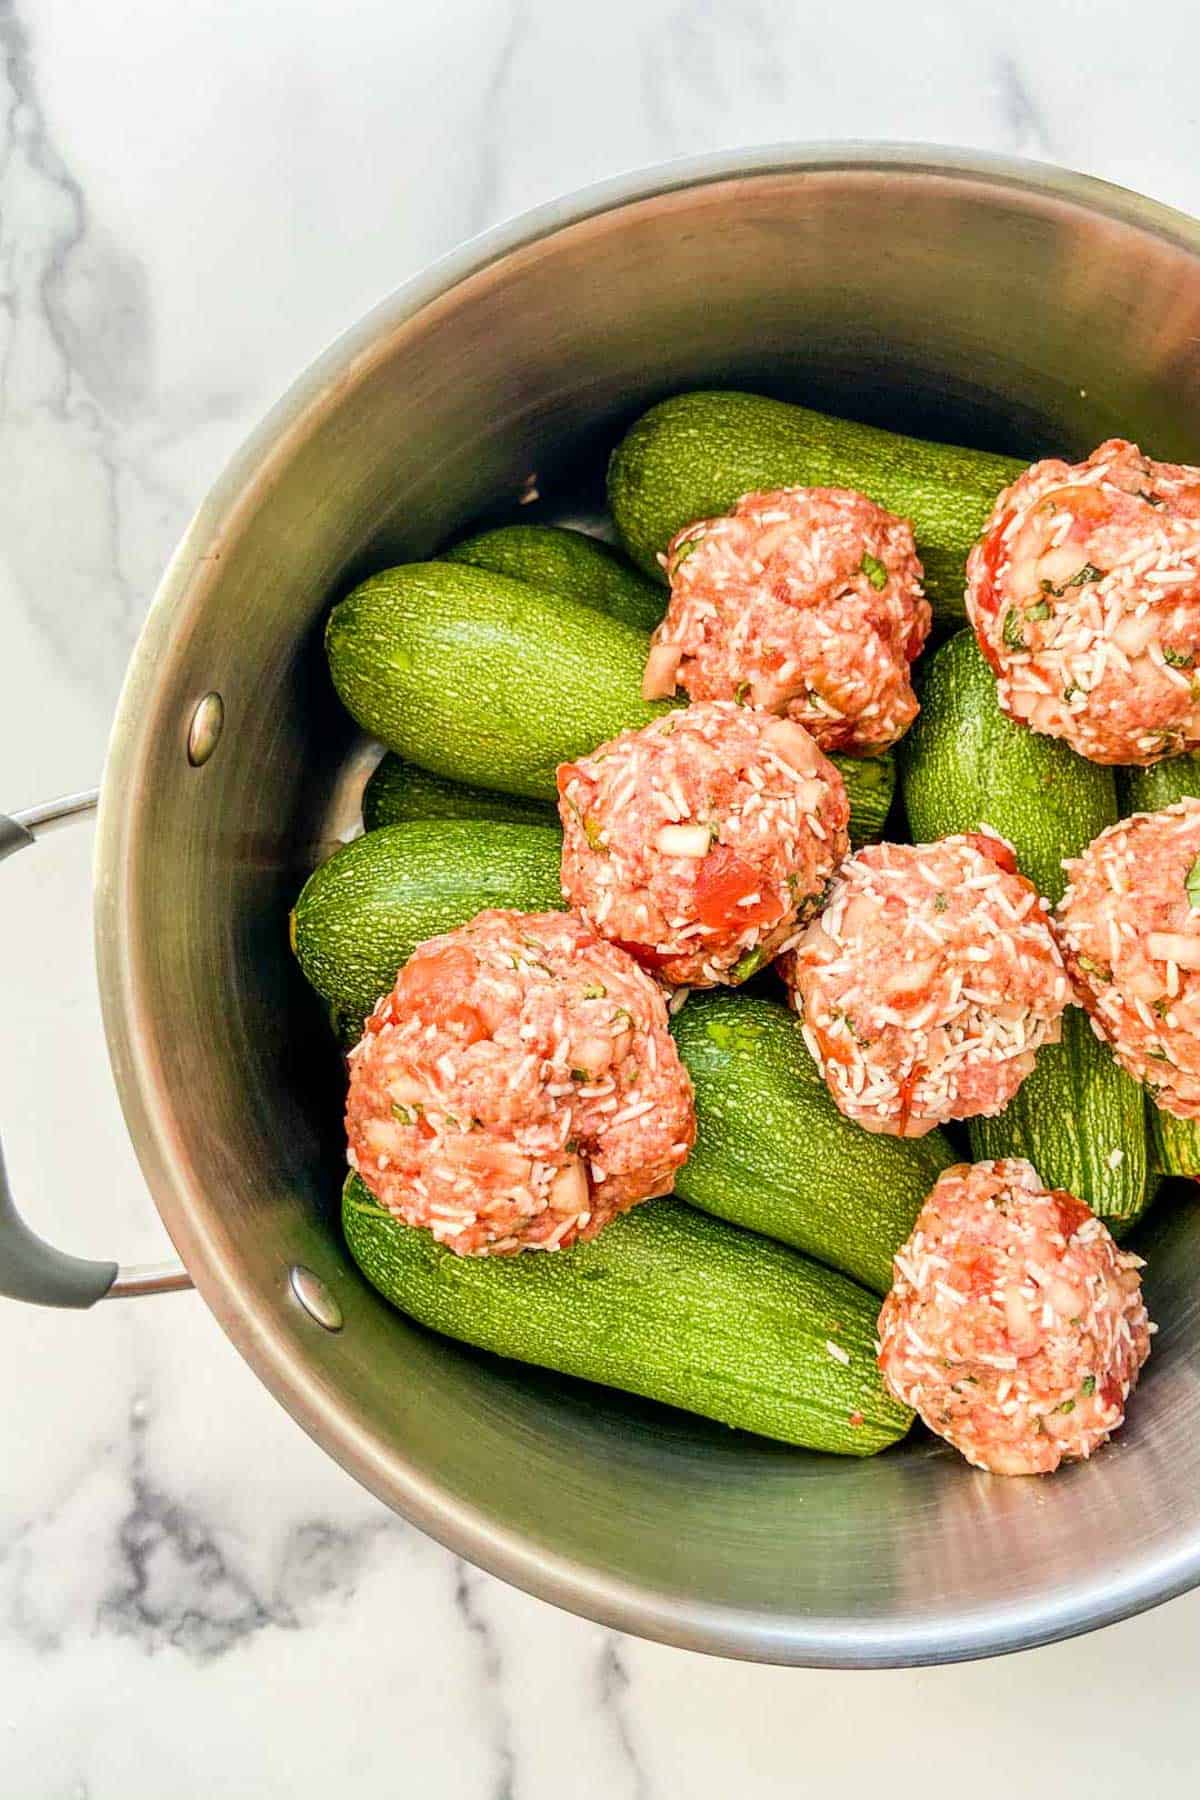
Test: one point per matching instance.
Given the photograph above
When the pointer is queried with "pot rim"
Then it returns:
(814, 1641)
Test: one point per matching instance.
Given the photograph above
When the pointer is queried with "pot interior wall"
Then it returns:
(959, 304)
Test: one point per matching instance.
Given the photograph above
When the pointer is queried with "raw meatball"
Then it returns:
(1084, 592)
(1015, 1327)
(1130, 929)
(928, 984)
(518, 1088)
(807, 602)
(703, 841)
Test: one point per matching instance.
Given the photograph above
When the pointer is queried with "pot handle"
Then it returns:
(31, 1269)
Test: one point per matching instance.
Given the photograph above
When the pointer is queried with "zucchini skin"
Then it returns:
(1174, 1143)
(489, 682)
(481, 678)
(666, 1303)
(692, 456)
(567, 562)
(870, 789)
(361, 914)
(773, 1153)
(399, 792)
(1068, 1117)
(964, 764)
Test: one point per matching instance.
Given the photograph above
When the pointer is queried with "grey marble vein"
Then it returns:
(489, 143)
(75, 374)
(614, 1683)
(1025, 126)
(467, 1585)
(177, 1580)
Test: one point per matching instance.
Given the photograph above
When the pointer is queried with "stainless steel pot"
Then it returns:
(967, 297)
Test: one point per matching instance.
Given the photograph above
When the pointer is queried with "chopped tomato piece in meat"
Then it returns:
(464, 1020)
(834, 1049)
(1072, 1213)
(431, 985)
(992, 847)
(646, 954)
(1085, 501)
(725, 884)
(979, 1267)
(993, 551)
(1112, 1393)
(908, 1087)
(436, 971)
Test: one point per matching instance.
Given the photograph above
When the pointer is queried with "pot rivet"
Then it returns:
(316, 1298)
(205, 729)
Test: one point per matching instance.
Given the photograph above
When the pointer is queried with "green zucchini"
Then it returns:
(693, 456)
(399, 791)
(870, 789)
(665, 1303)
(966, 764)
(1074, 1118)
(486, 680)
(774, 1154)
(566, 562)
(1174, 1143)
(1149, 790)
(482, 678)
(361, 915)
(1078, 1118)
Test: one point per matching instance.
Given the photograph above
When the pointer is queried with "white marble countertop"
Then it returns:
(194, 1601)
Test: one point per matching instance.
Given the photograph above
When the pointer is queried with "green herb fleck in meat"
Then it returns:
(1192, 885)
(1082, 577)
(1088, 1385)
(595, 990)
(740, 692)
(1096, 970)
(748, 965)
(1177, 659)
(1012, 631)
(1038, 611)
(875, 571)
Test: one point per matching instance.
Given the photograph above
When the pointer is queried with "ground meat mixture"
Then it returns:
(928, 983)
(1084, 592)
(518, 1088)
(1129, 924)
(1015, 1327)
(806, 602)
(702, 842)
